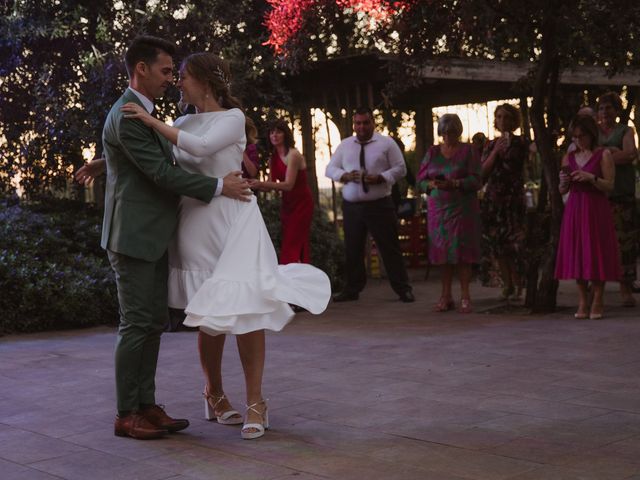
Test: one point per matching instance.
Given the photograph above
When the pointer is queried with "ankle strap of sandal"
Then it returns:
(253, 405)
(217, 399)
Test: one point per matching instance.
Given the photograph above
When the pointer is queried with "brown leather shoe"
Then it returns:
(158, 417)
(136, 426)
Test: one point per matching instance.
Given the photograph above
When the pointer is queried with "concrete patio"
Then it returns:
(373, 389)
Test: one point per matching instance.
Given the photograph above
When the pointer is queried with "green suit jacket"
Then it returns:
(143, 187)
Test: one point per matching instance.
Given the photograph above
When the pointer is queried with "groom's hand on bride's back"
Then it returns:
(234, 186)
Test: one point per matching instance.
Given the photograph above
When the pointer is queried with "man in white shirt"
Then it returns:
(368, 164)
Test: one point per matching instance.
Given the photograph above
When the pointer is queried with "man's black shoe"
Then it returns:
(407, 297)
(345, 297)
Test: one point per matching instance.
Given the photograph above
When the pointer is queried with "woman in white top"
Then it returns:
(224, 270)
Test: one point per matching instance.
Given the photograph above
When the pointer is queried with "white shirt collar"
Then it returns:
(146, 103)
(366, 142)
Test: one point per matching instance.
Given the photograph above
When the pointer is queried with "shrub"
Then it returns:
(53, 273)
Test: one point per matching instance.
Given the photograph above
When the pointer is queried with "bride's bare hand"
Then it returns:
(133, 110)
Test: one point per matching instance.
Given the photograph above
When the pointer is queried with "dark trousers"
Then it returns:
(142, 297)
(378, 217)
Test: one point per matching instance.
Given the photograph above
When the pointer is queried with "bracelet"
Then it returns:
(595, 179)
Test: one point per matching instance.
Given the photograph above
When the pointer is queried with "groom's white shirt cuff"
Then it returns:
(149, 107)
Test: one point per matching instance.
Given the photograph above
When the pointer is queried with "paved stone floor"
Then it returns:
(373, 389)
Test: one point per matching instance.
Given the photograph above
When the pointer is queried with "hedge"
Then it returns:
(54, 275)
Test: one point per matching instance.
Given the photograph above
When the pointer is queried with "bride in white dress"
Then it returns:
(224, 269)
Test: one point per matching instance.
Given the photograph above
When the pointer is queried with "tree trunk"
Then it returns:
(545, 295)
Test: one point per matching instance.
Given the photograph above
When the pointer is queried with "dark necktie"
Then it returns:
(365, 187)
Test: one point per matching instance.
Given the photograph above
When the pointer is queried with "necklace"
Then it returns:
(582, 157)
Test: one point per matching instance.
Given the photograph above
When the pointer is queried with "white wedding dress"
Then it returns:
(223, 267)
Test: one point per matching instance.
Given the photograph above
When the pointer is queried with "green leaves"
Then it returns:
(61, 70)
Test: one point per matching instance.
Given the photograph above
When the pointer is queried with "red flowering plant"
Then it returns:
(301, 30)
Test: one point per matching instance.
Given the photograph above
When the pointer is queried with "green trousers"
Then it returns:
(142, 295)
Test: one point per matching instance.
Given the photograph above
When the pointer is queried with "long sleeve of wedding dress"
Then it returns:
(224, 133)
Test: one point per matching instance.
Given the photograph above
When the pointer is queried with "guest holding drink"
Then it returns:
(588, 248)
(503, 204)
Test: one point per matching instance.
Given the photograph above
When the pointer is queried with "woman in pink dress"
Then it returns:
(588, 247)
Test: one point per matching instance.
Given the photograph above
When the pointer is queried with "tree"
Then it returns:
(61, 69)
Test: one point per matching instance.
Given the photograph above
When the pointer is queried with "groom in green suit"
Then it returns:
(143, 189)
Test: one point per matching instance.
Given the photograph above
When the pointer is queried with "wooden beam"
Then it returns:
(492, 71)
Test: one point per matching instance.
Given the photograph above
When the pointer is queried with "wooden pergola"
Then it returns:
(341, 84)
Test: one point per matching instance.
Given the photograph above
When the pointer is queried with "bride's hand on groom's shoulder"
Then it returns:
(236, 187)
(133, 110)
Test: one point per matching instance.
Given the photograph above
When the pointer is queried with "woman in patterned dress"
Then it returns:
(503, 205)
(450, 173)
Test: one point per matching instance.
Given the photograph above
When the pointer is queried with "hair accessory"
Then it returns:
(220, 74)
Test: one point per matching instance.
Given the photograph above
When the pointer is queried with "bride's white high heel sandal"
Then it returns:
(258, 427)
(230, 417)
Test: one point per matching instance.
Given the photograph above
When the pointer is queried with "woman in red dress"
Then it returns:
(289, 175)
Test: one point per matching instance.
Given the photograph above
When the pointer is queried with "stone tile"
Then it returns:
(14, 471)
(103, 440)
(456, 461)
(24, 447)
(62, 425)
(627, 451)
(606, 466)
(101, 466)
(549, 472)
(610, 400)
(535, 450)
(372, 389)
(206, 463)
(540, 408)
(300, 476)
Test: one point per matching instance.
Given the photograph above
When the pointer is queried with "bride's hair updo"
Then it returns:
(213, 71)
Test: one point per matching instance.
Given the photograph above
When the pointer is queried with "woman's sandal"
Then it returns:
(581, 313)
(444, 305)
(230, 417)
(596, 315)
(465, 306)
(256, 430)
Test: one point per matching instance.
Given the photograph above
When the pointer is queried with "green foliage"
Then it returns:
(61, 70)
(53, 274)
(327, 249)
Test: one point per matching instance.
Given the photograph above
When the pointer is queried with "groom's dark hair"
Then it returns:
(145, 48)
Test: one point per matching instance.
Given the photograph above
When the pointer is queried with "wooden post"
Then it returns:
(309, 150)
(334, 206)
(424, 130)
(526, 124)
